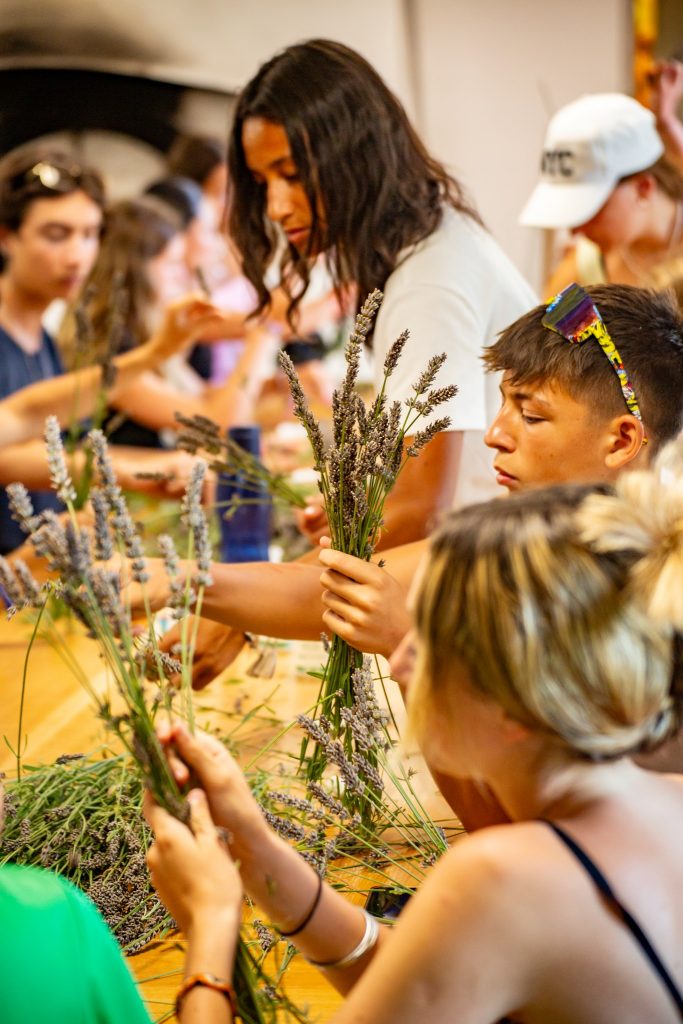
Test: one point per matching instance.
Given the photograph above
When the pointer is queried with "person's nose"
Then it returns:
(278, 201)
(402, 661)
(80, 252)
(498, 435)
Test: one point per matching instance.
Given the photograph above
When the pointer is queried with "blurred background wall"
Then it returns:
(479, 77)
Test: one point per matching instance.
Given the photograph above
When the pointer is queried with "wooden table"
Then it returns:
(58, 718)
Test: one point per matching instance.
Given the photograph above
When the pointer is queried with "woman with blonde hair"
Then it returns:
(546, 652)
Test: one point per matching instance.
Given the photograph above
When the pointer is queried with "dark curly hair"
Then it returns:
(355, 152)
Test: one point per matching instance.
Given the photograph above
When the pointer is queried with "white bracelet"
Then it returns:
(368, 940)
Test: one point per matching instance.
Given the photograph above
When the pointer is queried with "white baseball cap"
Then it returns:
(590, 145)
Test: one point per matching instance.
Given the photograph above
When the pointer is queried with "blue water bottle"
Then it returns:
(245, 533)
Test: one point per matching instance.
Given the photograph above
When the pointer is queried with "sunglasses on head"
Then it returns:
(50, 176)
(573, 315)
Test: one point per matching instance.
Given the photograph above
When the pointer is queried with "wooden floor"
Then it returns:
(58, 719)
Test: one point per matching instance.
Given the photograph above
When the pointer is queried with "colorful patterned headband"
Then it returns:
(574, 316)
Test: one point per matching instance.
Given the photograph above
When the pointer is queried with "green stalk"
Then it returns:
(24, 677)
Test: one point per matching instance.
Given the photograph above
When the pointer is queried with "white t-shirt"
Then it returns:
(454, 291)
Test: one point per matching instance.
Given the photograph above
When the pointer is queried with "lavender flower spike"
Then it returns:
(302, 411)
(394, 353)
(10, 584)
(193, 516)
(59, 474)
(21, 507)
(104, 542)
(124, 527)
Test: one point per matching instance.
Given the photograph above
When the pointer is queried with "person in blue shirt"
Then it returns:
(50, 219)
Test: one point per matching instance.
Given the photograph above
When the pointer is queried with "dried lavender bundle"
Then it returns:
(359, 467)
(93, 592)
(62, 816)
(357, 471)
(322, 826)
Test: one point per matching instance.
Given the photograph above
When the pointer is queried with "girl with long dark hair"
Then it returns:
(323, 159)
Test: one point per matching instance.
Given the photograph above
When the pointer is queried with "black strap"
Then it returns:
(620, 910)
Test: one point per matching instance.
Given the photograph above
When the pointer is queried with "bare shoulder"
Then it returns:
(499, 866)
(503, 851)
(485, 912)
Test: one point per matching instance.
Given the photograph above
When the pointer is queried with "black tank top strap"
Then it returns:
(620, 910)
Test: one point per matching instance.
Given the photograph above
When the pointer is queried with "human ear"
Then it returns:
(645, 186)
(626, 440)
(5, 234)
(512, 730)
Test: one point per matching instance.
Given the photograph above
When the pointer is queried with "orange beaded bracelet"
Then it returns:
(207, 981)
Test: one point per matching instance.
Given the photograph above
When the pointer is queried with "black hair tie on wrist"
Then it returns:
(309, 915)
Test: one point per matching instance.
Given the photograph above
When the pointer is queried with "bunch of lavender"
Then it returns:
(201, 434)
(82, 818)
(357, 470)
(93, 592)
(400, 843)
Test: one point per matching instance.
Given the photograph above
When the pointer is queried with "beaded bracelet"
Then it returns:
(207, 981)
(309, 915)
(367, 942)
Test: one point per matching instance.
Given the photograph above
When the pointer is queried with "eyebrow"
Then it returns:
(275, 164)
(68, 226)
(525, 396)
(54, 224)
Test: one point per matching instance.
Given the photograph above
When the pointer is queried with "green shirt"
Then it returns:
(59, 963)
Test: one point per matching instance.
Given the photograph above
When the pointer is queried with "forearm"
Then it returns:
(285, 887)
(407, 521)
(153, 402)
(27, 462)
(403, 561)
(266, 598)
(262, 597)
(671, 131)
(210, 950)
(70, 396)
